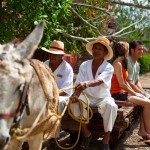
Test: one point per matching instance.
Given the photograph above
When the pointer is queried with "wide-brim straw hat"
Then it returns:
(56, 47)
(104, 41)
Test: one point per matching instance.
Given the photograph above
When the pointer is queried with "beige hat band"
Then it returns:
(57, 48)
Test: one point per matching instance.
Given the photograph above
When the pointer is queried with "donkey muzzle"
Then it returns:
(3, 141)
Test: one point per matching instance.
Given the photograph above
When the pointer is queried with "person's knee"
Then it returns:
(112, 106)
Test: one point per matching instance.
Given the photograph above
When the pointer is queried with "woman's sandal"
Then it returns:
(147, 142)
(145, 137)
(85, 142)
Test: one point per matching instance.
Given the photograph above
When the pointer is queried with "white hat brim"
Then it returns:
(89, 47)
(53, 51)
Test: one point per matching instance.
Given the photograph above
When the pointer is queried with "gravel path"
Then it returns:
(131, 140)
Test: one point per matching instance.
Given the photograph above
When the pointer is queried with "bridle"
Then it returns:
(23, 104)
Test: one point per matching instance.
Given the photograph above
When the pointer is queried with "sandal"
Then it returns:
(85, 142)
(147, 142)
(145, 136)
(105, 147)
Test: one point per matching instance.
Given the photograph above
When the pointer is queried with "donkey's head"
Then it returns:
(15, 71)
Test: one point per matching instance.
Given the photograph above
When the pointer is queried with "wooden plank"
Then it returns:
(124, 103)
(126, 115)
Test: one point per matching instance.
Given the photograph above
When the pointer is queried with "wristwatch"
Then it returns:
(87, 84)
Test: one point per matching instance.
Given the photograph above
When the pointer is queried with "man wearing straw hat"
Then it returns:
(94, 78)
(62, 71)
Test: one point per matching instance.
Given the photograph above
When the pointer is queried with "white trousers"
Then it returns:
(62, 103)
(106, 107)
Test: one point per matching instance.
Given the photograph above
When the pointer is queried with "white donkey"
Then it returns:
(20, 82)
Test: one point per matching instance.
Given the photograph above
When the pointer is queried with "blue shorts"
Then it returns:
(120, 96)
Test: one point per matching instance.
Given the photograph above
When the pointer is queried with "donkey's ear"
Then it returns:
(27, 47)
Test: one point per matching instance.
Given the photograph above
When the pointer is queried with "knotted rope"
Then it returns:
(50, 123)
(46, 125)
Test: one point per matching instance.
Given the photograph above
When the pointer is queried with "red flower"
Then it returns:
(88, 14)
(112, 18)
(94, 10)
(107, 4)
(93, 2)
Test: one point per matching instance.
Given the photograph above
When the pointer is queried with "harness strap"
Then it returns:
(7, 116)
(23, 104)
(20, 110)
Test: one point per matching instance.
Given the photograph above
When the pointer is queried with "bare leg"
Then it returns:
(146, 119)
(142, 132)
(146, 110)
(85, 130)
(106, 138)
(86, 137)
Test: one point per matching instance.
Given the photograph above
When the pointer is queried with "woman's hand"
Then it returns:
(140, 95)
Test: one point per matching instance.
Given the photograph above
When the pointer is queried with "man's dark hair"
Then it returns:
(133, 45)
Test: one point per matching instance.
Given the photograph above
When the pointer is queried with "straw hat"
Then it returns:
(104, 41)
(56, 47)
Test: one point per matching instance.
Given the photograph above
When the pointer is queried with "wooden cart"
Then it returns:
(126, 115)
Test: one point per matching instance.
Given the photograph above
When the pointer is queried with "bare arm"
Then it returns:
(119, 75)
(138, 84)
(62, 93)
(135, 87)
(82, 86)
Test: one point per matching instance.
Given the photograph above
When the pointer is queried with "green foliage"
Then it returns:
(144, 63)
(19, 17)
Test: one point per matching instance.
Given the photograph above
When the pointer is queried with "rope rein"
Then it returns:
(22, 134)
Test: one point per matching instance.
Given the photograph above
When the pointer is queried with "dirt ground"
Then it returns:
(130, 141)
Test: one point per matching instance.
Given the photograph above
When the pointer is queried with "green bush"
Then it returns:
(144, 63)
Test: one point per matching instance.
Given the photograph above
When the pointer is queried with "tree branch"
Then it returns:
(130, 4)
(96, 29)
(126, 27)
(90, 6)
(120, 35)
(74, 37)
(94, 18)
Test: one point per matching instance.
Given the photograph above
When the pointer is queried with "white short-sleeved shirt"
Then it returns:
(104, 73)
(63, 75)
(133, 70)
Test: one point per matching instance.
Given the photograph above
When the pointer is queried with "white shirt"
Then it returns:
(63, 75)
(104, 73)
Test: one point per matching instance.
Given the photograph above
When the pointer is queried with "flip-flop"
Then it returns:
(147, 142)
(85, 142)
(105, 147)
(146, 137)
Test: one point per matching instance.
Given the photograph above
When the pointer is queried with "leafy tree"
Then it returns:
(74, 22)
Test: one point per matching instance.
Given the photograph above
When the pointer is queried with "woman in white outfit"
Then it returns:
(94, 78)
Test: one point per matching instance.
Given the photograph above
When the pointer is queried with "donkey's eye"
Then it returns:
(19, 88)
